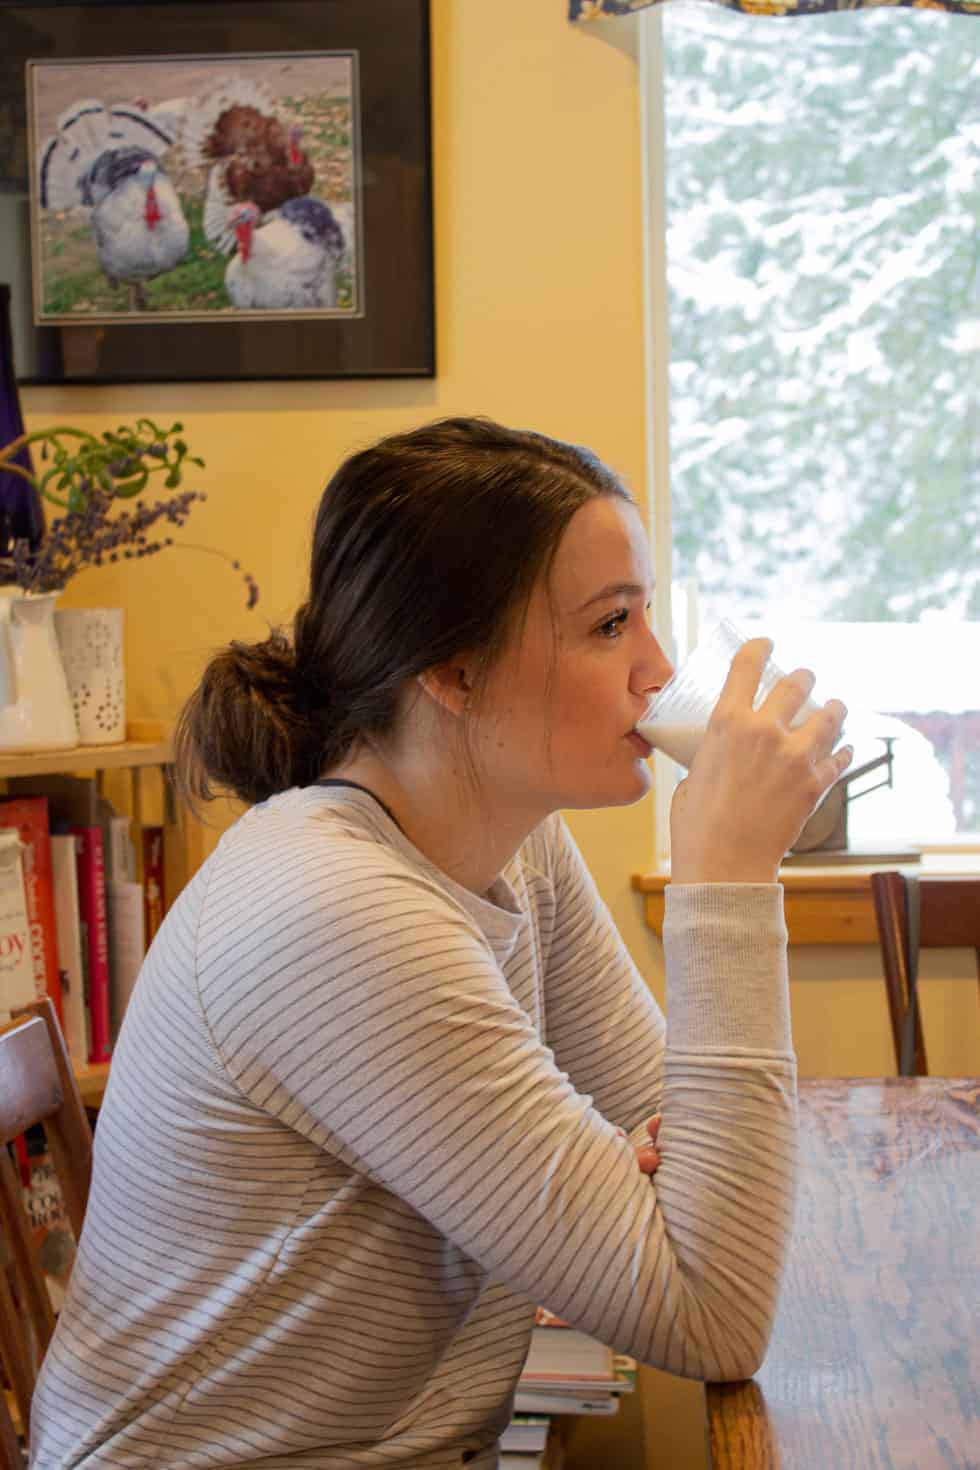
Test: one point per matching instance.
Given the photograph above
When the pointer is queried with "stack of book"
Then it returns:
(566, 1372)
(524, 1443)
(78, 906)
(81, 895)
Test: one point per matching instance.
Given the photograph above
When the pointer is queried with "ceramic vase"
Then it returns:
(91, 642)
(36, 710)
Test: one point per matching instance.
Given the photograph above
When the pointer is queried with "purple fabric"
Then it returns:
(598, 9)
(21, 515)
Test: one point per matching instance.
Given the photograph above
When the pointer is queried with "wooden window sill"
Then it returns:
(829, 905)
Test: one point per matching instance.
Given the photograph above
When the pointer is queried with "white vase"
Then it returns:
(36, 711)
(91, 642)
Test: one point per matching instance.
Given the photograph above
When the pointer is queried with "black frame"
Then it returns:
(395, 337)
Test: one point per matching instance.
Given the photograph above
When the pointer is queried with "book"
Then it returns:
(125, 907)
(555, 1401)
(17, 987)
(64, 871)
(624, 1368)
(526, 1432)
(126, 945)
(154, 889)
(73, 800)
(560, 1352)
(90, 863)
(120, 853)
(623, 1380)
(28, 816)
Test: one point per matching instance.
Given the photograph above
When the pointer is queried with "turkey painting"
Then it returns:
(190, 188)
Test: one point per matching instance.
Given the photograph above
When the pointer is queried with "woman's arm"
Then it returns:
(373, 1018)
(602, 1021)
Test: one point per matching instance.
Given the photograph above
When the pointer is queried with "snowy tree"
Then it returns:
(823, 183)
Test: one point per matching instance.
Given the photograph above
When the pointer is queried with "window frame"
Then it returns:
(656, 354)
(656, 317)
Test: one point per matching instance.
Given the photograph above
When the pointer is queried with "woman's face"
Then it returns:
(555, 725)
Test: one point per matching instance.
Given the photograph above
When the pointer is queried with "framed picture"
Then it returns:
(217, 191)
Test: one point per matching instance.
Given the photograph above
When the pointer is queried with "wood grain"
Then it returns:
(875, 1357)
(821, 907)
(817, 916)
(155, 749)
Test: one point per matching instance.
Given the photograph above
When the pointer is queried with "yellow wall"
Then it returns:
(539, 320)
(538, 310)
(840, 1015)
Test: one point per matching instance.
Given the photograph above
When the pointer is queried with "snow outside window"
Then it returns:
(822, 229)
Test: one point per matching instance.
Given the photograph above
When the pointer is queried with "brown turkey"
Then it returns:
(253, 156)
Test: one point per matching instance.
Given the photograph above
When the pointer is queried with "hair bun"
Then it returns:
(248, 727)
(266, 670)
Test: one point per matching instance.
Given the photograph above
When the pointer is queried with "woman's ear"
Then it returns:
(449, 685)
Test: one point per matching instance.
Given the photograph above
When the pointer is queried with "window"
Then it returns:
(822, 227)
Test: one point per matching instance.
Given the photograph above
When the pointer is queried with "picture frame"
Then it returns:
(195, 188)
(350, 291)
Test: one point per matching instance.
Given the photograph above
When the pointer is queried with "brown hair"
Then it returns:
(426, 546)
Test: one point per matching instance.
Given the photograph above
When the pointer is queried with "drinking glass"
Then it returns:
(677, 717)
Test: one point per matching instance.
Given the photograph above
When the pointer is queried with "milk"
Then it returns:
(680, 742)
(677, 718)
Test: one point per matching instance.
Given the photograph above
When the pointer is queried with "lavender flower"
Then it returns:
(87, 478)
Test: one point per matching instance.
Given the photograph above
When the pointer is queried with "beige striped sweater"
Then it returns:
(360, 1120)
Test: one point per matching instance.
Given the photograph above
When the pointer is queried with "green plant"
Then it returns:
(100, 486)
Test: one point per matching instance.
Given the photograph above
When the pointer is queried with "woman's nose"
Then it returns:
(653, 669)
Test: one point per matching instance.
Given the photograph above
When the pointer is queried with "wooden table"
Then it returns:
(874, 1363)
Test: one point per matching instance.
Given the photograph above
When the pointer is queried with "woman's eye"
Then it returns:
(610, 628)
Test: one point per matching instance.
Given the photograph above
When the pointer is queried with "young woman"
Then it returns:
(383, 1079)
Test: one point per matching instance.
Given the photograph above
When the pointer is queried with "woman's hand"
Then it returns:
(755, 779)
(647, 1154)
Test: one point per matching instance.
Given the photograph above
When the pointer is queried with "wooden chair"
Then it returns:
(37, 1085)
(949, 918)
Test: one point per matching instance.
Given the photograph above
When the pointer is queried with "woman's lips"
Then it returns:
(643, 746)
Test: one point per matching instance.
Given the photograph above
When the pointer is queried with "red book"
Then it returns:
(28, 815)
(154, 893)
(90, 860)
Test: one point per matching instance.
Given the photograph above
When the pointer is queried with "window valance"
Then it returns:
(585, 10)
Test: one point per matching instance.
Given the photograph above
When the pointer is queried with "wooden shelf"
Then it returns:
(824, 908)
(91, 1082)
(822, 905)
(147, 746)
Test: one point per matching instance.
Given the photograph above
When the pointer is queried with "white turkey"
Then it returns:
(167, 116)
(108, 160)
(288, 261)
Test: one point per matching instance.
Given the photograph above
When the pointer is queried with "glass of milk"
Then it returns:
(678, 716)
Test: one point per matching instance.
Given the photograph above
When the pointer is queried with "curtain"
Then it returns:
(594, 9)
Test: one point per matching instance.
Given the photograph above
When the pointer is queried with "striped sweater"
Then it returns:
(360, 1120)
